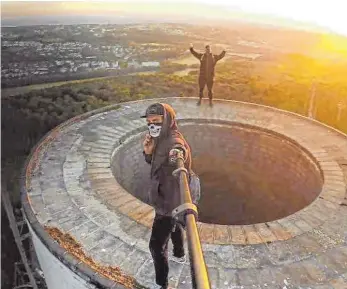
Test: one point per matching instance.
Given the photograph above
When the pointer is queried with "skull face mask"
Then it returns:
(154, 129)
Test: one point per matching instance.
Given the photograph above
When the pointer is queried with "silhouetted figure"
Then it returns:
(161, 141)
(207, 64)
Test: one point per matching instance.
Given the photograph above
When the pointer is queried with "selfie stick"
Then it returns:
(188, 213)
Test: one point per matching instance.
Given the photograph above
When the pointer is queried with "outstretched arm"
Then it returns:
(220, 56)
(196, 54)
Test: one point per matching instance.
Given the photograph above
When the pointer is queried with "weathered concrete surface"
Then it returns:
(70, 185)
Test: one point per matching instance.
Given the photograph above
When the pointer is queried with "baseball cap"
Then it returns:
(155, 108)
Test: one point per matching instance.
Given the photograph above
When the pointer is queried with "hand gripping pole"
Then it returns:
(181, 211)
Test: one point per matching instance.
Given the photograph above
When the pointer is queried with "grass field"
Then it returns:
(23, 89)
(5, 92)
(143, 73)
(184, 72)
(187, 60)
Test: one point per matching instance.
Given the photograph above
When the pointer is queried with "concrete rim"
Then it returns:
(311, 211)
(102, 282)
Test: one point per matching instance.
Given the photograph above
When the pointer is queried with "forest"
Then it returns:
(288, 83)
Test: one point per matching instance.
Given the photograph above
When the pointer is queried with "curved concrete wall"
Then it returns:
(57, 274)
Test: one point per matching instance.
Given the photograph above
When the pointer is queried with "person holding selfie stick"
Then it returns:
(161, 141)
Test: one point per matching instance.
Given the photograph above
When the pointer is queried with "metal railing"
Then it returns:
(187, 212)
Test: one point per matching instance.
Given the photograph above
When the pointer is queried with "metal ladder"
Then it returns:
(24, 269)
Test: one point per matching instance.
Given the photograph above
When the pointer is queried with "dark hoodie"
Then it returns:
(208, 62)
(164, 194)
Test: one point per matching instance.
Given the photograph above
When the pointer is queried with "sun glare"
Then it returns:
(333, 43)
(327, 14)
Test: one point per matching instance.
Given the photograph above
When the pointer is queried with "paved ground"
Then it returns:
(71, 186)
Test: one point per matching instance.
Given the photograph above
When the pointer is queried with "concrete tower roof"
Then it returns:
(88, 178)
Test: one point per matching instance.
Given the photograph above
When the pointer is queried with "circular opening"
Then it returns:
(247, 175)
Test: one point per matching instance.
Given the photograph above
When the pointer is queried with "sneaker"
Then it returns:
(180, 260)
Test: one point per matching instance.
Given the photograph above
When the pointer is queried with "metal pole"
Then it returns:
(198, 268)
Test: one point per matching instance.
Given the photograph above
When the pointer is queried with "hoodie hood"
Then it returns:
(169, 122)
(163, 143)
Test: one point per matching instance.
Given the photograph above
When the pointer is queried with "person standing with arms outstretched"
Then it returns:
(207, 64)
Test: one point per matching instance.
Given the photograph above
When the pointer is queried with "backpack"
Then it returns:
(195, 187)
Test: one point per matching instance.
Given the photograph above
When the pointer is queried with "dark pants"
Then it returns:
(205, 81)
(158, 245)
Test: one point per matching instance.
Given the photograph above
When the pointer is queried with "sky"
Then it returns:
(324, 13)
